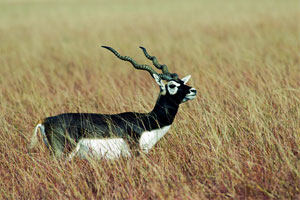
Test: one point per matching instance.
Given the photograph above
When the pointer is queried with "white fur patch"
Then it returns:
(116, 147)
(101, 148)
(159, 82)
(173, 87)
(150, 138)
(191, 95)
(42, 129)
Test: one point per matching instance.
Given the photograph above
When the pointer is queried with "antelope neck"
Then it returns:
(165, 110)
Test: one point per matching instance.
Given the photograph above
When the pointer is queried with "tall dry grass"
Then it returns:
(239, 139)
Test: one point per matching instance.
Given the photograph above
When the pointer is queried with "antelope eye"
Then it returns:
(172, 86)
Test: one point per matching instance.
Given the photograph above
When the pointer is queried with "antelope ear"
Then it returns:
(186, 79)
(159, 81)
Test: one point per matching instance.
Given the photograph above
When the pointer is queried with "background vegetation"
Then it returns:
(239, 139)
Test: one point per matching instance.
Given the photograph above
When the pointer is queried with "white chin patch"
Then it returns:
(189, 97)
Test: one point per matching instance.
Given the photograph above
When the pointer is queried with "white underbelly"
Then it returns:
(101, 148)
(112, 148)
(150, 138)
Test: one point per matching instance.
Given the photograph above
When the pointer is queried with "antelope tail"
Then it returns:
(34, 139)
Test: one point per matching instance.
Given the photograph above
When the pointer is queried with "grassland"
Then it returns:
(239, 139)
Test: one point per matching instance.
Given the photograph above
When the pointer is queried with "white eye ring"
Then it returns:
(173, 87)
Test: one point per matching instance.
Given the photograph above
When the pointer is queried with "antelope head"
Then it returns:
(174, 88)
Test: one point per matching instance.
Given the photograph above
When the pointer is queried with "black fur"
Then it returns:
(67, 129)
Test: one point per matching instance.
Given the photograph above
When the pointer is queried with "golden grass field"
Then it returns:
(239, 139)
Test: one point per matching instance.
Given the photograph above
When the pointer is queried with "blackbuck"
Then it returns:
(112, 136)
